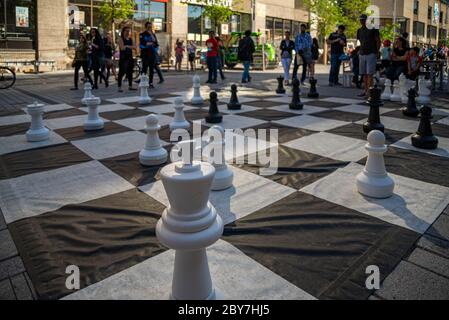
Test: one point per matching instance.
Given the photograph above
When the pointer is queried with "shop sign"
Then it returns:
(22, 18)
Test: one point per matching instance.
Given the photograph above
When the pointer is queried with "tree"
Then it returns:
(389, 32)
(352, 9)
(218, 11)
(115, 10)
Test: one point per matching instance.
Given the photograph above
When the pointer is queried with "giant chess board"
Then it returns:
(82, 198)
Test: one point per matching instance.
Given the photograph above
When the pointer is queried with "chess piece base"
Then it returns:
(280, 91)
(214, 119)
(197, 101)
(223, 179)
(144, 101)
(38, 135)
(179, 125)
(313, 95)
(298, 106)
(368, 127)
(375, 187)
(153, 157)
(410, 113)
(237, 106)
(425, 142)
(92, 125)
(84, 101)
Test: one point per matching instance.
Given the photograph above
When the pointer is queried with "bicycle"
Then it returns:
(7, 77)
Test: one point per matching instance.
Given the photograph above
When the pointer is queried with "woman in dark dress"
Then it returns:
(97, 48)
(109, 49)
(81, 61)
(126, 64)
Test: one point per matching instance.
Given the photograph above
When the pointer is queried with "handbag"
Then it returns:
(299, 59)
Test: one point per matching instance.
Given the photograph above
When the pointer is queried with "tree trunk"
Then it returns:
(325, 52)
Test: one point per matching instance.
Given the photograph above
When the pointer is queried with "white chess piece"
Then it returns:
(37, 132)
(179, 121)
(396, 96)
(386, 95)
(189, 225)
(88, 93)
(93, 121)
(197, 99)
(424, 92)
(403, 82)
(224, 176)
(374, 181)
(153, 154)
(143, 86)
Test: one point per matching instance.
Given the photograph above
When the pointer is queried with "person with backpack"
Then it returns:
(245, 55)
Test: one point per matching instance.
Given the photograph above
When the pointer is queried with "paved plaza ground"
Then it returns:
(423, 272)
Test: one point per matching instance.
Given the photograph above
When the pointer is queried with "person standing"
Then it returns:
(109, 50)
(245, 55)
(179, 54)
(148, 43)
(220, 57)
(369, 49)
(97, 48)
(126, 64)
(81, 61)
(315, 56)
(337, 41)
(191, 51)
(287, 47)
(212, 53)
(303, 48)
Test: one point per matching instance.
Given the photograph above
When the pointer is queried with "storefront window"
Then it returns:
(17, 24)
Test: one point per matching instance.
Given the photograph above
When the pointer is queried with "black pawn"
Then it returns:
(234, 103)
(313, 93)
(411, 110)
(214, 116)
(375, 102)
(424, 138)
(280, 89)
(296, 103)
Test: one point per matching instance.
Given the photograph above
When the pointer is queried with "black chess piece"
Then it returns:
(234, 103)
(296, 103)
(313, 93)
(424, 138)
(280, 89)
(411, 110)
(375, 102)
(214, 116)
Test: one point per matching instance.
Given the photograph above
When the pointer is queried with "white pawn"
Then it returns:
(37, 131)
(153, 154)
(424, 92)
(224, 176)
(189, 225)
(143, 86)
(403, 88)
(179, 122)
(93, 121)
(396, 96)
(374, 181)
(386, 95)
(87, 93)
(197, 99)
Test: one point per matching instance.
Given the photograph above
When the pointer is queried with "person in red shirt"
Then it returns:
(414, 63)
(212, 56)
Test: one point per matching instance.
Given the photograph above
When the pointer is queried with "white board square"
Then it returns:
(396, 124)
(69, 122)
(235, 122)
(444, 121)
(312, 123)
(331, 146)
(442, 151)
(139, 123)
(415, 205)
(164, 108)
(109, 108)
(124, 100)
(20, 118)
(19, 143)
(47, 191)
(361, 109)
(223, 108)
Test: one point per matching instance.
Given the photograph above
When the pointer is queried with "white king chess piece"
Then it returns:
(189, 225)
(153, 154)
(224, 176)
(374, 181)
(179, 121)
(143, 86)
(37, 132)
(386, 95)
(93, 121)
(424, 92)
(197, 99)
(396, 96)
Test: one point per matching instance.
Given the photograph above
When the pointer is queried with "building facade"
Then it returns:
(48, 30)
(426, 21)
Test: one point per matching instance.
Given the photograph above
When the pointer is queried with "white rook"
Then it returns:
(189, 225)
(224, 176)
(93, 121)
(197, 99)
(153, 154)
(37, 131)
(374, 181)
(179, 121)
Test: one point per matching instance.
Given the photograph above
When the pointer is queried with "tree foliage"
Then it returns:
(217, 11)
(115, 10)
(389, 32)
(352, 9)
(325, 15)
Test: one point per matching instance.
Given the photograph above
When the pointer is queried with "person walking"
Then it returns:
(191, 51)
(81, 61)
(109, 50)
(287, 47)
(212, 53)
(245, 55)
(126, 64)
(337, 41)
(179, 54)
(157, 57)
(220, 57)
(315, 56)
(97, 49)
(369, 50)
(147, 44)
(303, 48)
